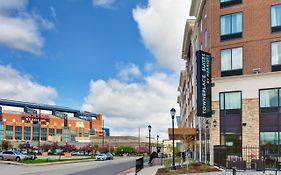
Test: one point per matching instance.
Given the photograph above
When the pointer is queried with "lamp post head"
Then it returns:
(157, 136)
(173, 113)
(149, 128)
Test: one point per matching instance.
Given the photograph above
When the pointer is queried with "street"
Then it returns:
(110, 167)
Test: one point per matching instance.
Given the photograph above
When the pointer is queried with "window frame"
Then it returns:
(231, 36)
(224, 99)
(232, 72)
(230, 3)
(275, 29)
(275, 67)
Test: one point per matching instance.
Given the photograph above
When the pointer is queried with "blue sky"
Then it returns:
(99, 55)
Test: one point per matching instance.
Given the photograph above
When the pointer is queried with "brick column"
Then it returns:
(214, 130)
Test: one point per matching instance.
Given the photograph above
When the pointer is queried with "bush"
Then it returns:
(46, 147)
(54, 147)
(121, 150)
(168, 162)
(6, 145)
(21, 146)
(68, 148)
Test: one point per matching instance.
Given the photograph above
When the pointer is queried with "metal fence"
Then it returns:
(259, 158)
(139, 164)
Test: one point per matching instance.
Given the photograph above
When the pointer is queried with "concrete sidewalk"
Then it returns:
(149, 170)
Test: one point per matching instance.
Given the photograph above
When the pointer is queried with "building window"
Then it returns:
(26, 133)
(43, 134)
(276, 18)
(35, 132)
(269, 98)
(231, 62)
(86, 134)
(206, 39)
(18, 133)
(231, 139)
(51, 131)
(228, 3)
(276, 56)
(59, 134)
(1, 130)
(92, 132)
(269, 138)
(80, 132)
(66, 134)
(73, 135)
(231, 26)
(9, 132)
(230, 100)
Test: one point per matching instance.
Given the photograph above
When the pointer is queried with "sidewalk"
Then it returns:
(149, 170)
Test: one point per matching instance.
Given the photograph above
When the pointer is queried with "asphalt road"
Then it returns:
(110, 167)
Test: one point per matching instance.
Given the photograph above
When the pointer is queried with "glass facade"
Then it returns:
(35, 132)
(73, 135)
(86, 133)
(26, 133)
(59, 133)
(18, 132)
(51, 131)
(44, 134)
(1, 130)
(66, 133)
(9, 132)
(80, 131)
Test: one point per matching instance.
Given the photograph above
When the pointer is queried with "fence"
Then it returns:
(258, 158)
(139, 164)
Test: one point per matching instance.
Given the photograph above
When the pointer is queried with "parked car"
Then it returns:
(12, 155)
(101, 156)
(109, 156)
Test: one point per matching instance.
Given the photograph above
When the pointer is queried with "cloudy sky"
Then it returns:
(120, 58)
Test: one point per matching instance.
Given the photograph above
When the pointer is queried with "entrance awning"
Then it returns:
(182, 133)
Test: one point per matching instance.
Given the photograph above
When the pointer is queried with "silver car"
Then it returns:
(12, 155)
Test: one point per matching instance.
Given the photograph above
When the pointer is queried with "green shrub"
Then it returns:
(121, 150)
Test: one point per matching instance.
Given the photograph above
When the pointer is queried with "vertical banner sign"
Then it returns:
(204, 87)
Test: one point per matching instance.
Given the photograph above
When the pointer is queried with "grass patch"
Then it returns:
(38, 161)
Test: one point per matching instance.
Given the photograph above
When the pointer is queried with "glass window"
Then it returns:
(268, 138)
(231, 100)
(80, 132)
(59, 131)
(92, 131)
(231, 139)
(9, 132)
(276, 53)
(1, 130)
(231, 24)
(51, 131)
(18, 132)
(66, 134)
(35, 132)
(269, 98)
(73, 135)
(231, 59)
(86, 133)
(43, 134)
(276, 16)
(26, 133)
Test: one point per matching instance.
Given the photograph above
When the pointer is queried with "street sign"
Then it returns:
(204, 84)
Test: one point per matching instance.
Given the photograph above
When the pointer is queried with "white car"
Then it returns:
(12, 155)
(101, 156)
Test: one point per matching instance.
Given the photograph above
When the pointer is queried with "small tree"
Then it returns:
(142, 149)
(6, 145)
(47, 147)
(21, 146)
(103, 149)
(68, 148)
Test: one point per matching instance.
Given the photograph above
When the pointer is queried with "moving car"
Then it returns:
(12, 155)
(101, 156)
(109, 156)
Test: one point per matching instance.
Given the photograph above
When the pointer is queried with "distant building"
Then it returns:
(23, 121)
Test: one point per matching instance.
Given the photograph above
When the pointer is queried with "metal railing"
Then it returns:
(139, 164)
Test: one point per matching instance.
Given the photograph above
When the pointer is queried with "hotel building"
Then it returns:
(244, 38)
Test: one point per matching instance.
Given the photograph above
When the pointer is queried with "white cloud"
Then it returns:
(161, 26)
(104, 3)
(128, 106)
(17, 86)
(129, 72)
(19, 29)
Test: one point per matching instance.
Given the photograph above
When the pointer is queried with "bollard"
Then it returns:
(233, 171)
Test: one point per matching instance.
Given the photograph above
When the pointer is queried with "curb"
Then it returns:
(42, 164)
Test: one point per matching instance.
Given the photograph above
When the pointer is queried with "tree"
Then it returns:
(54, 147)
(68, 148)
(21, 146)
(47, 147)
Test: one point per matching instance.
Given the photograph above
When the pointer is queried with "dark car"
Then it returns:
(109, 156)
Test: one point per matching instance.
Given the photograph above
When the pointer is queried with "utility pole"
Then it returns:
(139, 137)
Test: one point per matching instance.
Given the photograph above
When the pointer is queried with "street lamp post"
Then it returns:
(157, 144)
(173, 113)
(149, 130)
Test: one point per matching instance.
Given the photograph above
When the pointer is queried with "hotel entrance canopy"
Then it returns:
(182, 133)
